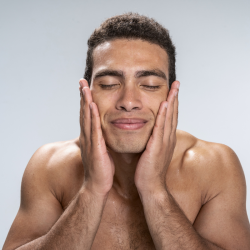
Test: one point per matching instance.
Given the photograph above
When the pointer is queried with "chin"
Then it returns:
(126, 146)
(126, 149)
(126, 142)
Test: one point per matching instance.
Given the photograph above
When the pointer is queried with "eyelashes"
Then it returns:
(151, 87)
(107, 86)
(112, 85)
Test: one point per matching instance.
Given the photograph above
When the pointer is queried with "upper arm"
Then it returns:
(39, 209)
(223, 219)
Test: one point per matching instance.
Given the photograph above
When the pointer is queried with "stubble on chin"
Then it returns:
(127, 144)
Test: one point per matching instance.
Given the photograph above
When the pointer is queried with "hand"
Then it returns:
(150, 174)
(97, 162)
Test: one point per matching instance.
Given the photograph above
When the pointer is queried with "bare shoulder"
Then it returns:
(216, 173)
(51, 178)
(59, 165)
(209, 153)
(216, 165)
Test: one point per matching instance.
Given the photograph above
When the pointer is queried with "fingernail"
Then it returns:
(90, 105)
(176, 93)
(83, 92)
(166, 105)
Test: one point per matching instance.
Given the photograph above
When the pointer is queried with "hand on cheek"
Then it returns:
(152, 166)
(97, 162)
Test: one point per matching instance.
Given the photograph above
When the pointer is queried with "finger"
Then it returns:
(86, 99)
(158, 131)
(176, 103)
(83, 83)
(175, 115)
(96, 130)
(170, 111)
(81, 106)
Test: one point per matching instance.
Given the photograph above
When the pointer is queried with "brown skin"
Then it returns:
(188, 196)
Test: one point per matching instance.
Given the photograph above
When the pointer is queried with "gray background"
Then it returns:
(43, 50)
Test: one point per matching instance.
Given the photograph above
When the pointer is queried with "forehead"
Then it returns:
(129, 55)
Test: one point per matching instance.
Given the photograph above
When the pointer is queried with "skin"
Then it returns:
(151, 188)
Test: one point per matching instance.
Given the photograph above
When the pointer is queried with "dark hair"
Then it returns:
(131, 26)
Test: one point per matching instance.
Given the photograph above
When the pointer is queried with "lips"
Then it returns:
(129, 123)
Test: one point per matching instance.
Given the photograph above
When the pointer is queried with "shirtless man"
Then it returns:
(131, 180)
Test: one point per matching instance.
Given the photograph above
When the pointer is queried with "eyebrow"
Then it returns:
(108, 72)
(138, 74)
(153, 72)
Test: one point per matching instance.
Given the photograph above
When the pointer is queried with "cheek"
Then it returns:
(153, 102)
(103, 102)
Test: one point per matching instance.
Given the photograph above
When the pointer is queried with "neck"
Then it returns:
(125, 166)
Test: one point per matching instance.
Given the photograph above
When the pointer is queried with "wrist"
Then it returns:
(92, 190)
(158, 194)
(153, 189)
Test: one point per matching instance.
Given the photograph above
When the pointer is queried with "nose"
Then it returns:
(129, 99)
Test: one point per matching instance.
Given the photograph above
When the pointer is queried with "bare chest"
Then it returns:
(125, 227)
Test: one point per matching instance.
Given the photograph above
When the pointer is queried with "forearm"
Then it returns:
(168, 225)
(77, 226)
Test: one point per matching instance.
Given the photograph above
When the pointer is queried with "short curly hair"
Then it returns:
(131, 26)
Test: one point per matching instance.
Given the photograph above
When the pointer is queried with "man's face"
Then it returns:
(125, 73)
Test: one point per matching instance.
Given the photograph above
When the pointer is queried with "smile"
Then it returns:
(129, 123)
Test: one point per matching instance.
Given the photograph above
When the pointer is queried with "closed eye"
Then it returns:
(112, 85)
(151, 87)
(107, 86)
